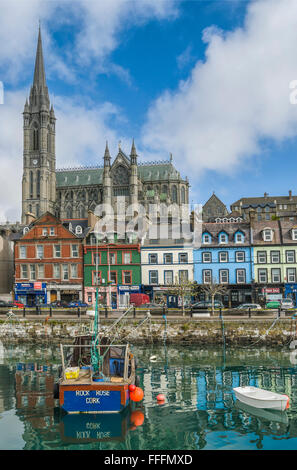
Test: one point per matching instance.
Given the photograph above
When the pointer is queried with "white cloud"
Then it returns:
(233, 100)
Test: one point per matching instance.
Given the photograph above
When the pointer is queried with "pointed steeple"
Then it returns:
(39, 72)
(106, 155)
(133, 154)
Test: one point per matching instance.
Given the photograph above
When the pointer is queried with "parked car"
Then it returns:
(287, 303)
(206, 304)
(59, 304)
(273, 304)
(77, 303)
(247, 306)
(18, 304)
(153, 308)
(5, 304)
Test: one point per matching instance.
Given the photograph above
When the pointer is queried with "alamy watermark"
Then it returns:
(1, 93)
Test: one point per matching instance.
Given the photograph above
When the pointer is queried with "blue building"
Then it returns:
(225, 257)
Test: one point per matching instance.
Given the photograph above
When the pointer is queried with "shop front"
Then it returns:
(64, 292)
(31, 293)
(291, 292)
(269, 294)
(107, 296)
(124, 294)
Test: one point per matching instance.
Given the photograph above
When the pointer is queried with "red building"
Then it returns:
(48, 262)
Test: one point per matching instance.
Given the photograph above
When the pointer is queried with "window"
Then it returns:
(96, 258)
(24, 271)
(267, 216)
(74, 271)
(262, 257)
(224, 276)
(78, 230)
(275, 275)
(74, 250)
(239, 256)
(167, 258)
(206, 257)
(183, 258)
(290, 256)
(23, 252)
(39, 251)
(168, 277)
(262, 275)
(65, 272)
(291, 275)
(92, 239)
(127, 277)
(183, 275)
(57, 272)
(127, 258)
(239, 238)
(207, 276)
(40, 271)
(57, 251)
(96, 278)
(33, 272)
(206, 238)
(52, 231)
(223, 238)
(44, 232)
(112, 258)
(113, 277)
(294, 234)
(275, 257)
(153, 258)
(153, 277)
(223, 256)
(240, 276)
(267, 235)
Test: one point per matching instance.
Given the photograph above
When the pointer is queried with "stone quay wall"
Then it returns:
(256, 332)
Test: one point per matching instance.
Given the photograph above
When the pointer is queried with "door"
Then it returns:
(53, 296)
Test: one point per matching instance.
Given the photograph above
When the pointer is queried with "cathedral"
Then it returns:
(69, 193)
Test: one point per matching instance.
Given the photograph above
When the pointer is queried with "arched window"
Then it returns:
(35, 137)
(38, 183)
(78, 230)
(31, 183)
(174, 194)
(82, 212)
(37, 210)
(69, 212)
(183, 195)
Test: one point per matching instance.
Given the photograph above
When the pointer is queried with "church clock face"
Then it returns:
(35, 162)
(120, 175)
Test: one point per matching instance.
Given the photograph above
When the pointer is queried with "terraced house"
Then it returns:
(225, 257)
(275, 262)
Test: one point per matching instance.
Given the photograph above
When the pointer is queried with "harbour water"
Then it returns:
(200, 411)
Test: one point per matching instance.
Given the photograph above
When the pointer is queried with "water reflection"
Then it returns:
(200, 410)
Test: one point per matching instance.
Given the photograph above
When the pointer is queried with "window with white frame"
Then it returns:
(239, 238)
(78, 230)
(207, 276)
(224, 276)
(275, 257)
(223, 238)
(23, 252)
(57, 251)
(294, 234)
(183, 258)
(127, 258)
(239, 256)
(168, 258)
(223, 257)
(40, 269)
(291, 274)
(262, 257)
(262, 275)
(39, 251)
(267, 235)
(275, 275)
(153, 258)
(290, 256)
(168, 277)
(33, 272)
(206, 238)
(206, 257)
(153, 277)
(24, 271)
(65, 272)
(240, 276)
(44, 231)
(57, 271)
(74, 270)
(74, 251)
(183, 275)
(52, 231)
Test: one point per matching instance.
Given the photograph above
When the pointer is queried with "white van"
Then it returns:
(287, 303)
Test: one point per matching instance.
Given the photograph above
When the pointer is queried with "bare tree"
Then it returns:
(182, 288)
(212, 289)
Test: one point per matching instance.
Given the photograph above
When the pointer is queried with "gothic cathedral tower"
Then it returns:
(39, 159)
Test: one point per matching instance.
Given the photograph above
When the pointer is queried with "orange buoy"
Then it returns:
(132, 388)
(160, 397)
(137, 418)
(137, 394)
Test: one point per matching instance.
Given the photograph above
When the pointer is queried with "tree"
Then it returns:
(182, 288)
(212, 289)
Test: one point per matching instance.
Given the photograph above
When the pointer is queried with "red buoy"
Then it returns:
(137, 394)
(132, 388)
(137, 418)
(160, 397)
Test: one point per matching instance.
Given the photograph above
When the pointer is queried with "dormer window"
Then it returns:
(239, 237)
(223, 238)
(25, 230)
(206, 238)
(294, 234)
(78, 230)
(267, 235)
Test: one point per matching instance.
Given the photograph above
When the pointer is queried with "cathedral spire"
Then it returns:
(133, 154)
(106, 155)
(39, 72)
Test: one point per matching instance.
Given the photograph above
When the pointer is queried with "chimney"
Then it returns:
(29, 218)
(290, 195)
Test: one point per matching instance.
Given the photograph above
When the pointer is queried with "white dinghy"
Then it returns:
(260, 398)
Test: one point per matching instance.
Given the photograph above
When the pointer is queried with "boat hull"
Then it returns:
(259, 398)
(93, 398)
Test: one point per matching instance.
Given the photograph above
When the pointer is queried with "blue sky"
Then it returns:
(201, 79)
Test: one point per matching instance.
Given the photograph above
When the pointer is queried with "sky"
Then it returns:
(206, 80)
